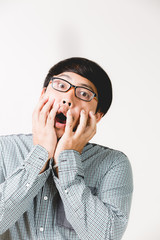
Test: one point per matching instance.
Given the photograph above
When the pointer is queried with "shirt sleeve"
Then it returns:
(18, 190)
(101, 216)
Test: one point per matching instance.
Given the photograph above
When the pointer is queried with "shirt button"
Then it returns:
(41, 229)
(45, 198)
(66, 191)
(27, 185)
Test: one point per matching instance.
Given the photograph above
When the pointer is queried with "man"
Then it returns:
(54, 183)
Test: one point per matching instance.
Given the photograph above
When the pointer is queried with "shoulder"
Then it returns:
(13, 150)
(15, 139)
(16, 144)
(106, 154)
(104, 158)
(103, 164)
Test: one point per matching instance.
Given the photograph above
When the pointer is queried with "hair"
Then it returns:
(90, 70)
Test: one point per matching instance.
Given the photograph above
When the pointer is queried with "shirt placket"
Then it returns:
(45, 200)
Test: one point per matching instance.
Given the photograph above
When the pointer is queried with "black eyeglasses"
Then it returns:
(82, 93)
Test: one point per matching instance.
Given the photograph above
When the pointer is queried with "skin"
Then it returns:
(81, 122)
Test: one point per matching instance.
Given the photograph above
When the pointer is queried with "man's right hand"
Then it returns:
(43, 120)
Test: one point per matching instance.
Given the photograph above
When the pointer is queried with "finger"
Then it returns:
(69, 123)
(39, 106)
(45, 112)
(92, 119)
(52, 115)
(83, 122)
(91, 127)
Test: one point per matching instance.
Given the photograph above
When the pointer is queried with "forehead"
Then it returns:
(77, 80)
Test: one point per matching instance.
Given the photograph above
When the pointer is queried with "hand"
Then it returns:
(43, 120)
(78, 139)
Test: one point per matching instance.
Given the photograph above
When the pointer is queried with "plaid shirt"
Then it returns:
(90, 200)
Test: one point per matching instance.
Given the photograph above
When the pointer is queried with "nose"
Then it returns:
(67, 103)
(68, 97)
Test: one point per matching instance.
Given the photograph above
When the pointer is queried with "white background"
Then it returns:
(123, 36)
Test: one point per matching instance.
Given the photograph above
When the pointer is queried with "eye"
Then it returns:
(61, 85)
(84, 94)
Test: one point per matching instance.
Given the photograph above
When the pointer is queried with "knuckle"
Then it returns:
(92, 128)
(70, 125)
(94, 132)
(50, 117)
(43, 111)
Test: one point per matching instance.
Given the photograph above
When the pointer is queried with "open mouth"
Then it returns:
(61, 118)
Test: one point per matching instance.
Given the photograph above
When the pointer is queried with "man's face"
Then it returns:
(68, 100)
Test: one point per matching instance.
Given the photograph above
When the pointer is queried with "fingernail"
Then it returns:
(69, 111)
(91, 112)
(56, 105)
(82, 111)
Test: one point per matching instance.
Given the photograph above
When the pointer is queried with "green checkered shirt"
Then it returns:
(91, 199)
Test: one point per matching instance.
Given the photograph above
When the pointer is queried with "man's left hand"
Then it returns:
(76, 140)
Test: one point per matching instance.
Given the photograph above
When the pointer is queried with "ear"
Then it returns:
(98, 116)
(43, 93)
(44, 90)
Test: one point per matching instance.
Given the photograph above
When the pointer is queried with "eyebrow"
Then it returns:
(64, 75)
(81, 84)
(86, 85)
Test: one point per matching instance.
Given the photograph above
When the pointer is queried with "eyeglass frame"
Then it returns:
(75, 87)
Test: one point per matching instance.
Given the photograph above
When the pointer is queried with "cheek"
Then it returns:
(52, 95)
(90, 107)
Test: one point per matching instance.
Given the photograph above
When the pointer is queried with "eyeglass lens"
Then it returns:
(80, 92)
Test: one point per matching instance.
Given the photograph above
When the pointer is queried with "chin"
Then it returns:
(59, 133)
